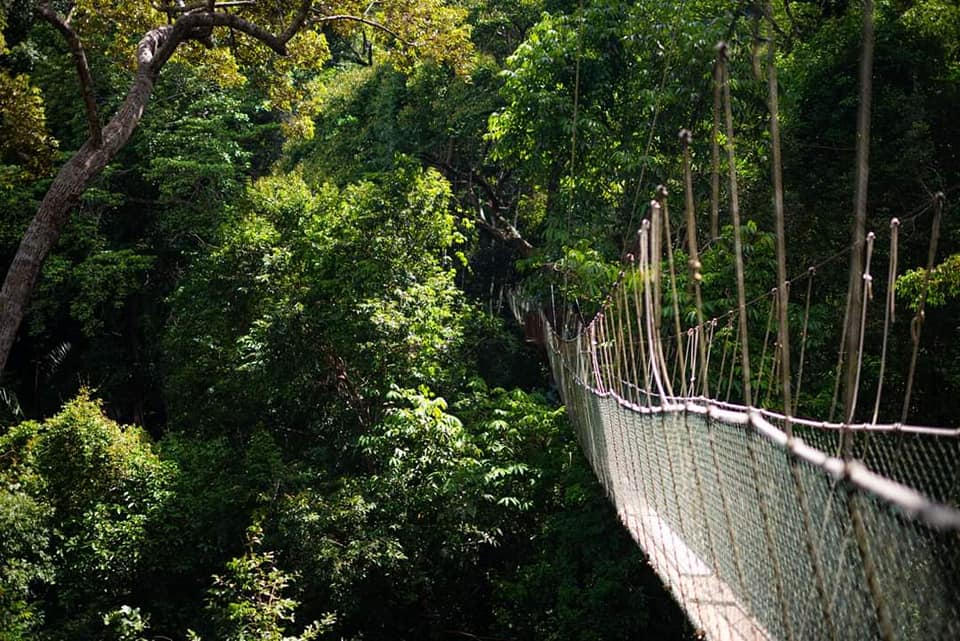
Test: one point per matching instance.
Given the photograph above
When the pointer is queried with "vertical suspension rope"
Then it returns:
(693, 345)
(638, 317)
(723, 357)
(766, 340)
(870, 570)
(705, 391)
(803, 337)
(733, 363)
(774, 373)
(841, 360)
(694, 263)
(780, 226)
(656, 254)
(623, 318)
(917, 323)
(715, 158)
(655, 239)
(889, 311)
(619, 359)
(789, 406)
(735, 216)
(867, 295)
(744, 347)
(655, 360)
(854, 330)
(681, 354)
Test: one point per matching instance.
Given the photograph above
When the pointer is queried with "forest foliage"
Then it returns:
(268, 385)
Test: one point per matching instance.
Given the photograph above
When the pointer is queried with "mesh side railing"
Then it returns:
(764, 538)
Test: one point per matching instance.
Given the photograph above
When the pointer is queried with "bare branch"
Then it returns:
(83, 69)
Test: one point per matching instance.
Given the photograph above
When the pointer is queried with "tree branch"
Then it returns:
(509, 236)
(83, 70)
(298, 20)
(321, 19)
(180, 7)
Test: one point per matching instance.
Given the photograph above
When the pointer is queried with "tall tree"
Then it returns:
(417, 27)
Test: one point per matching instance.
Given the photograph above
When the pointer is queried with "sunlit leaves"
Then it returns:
(24, 141)
(97, 487)
(938, 286)
(117, 24)
(250, 602)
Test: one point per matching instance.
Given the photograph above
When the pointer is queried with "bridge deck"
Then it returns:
(709, 601)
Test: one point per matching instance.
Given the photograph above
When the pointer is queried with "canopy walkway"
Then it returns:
(763, 525)
(761, 535)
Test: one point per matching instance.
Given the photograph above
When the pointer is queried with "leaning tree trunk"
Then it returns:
(153, 51)
(71, 181)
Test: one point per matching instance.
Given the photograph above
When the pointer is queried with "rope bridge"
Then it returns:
(764, 525)
(760, 535)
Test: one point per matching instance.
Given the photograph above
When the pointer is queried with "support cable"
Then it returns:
(733, 363)
(889, 311)
(867, 296)
(735, 215)
(917, 323)
(638, 307)
(694, 263)
(694, 344)
(803, 339)
(784, 337)
(841, 360)
(654, 310)
(648, 305)
(715, 155)
(780, 226)
(766, 340)
(681, 354)
(705, 390)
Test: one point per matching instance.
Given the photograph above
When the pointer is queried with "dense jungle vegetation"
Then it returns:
(262, 379)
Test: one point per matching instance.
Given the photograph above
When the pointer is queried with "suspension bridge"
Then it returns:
(764, 525)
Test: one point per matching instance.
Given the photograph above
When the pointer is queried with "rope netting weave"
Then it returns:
(760, 535)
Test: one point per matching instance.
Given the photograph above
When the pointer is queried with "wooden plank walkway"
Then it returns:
(709, 602)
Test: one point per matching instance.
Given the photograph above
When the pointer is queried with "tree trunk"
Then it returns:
(71, 181)
(153, 51)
